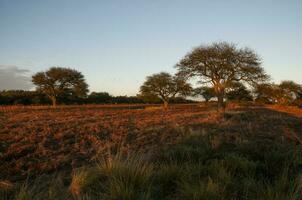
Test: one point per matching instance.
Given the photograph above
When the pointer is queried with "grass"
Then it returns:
(242, 154)
(193, 169)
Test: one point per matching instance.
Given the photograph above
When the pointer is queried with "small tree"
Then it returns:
(238, 92)
(58, 81)
(292, 89)
(99, 97)
(295, 90)
(165, 87)
(206, 92)
(220, 64)
(149, 98)
(286, 93)
(265, 93)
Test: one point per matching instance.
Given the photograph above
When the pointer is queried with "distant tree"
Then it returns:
(220, 64)
(99, 97)
(291, 89)
(286, 93)
(265, 93)
(295, 90)
(127, 99)
(149, 98)
(271, 93)
(165, 87)
(21, 97)
(58, 81)
(206, 92)
(180, 100)
(238, 92)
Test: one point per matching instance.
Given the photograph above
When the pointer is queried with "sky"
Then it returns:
(117, 43)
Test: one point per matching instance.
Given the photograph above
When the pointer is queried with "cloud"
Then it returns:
(14, 78)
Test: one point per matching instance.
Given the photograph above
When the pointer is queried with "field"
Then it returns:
(261, 142)
(43, 140)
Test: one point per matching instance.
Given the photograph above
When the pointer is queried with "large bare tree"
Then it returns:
(220, 64)
(58, 81)
(165, 86)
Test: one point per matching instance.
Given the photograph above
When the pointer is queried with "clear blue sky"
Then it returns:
(116, 44)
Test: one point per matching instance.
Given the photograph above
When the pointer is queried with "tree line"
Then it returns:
(22, 97)
(224, 72)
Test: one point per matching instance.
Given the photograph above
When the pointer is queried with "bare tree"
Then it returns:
(165, 86)
(220, 64)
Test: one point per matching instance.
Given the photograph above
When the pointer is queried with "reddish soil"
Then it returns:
(36, 140)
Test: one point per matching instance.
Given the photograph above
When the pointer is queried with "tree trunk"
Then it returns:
(220, 101)
(54, 101)
(207, 102)
(166, 104)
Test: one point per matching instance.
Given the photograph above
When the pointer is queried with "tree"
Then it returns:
(286, 93)
(60, 82)
(265, 93)
(21, 97)
(149, 98)
(220, 64)
(292, 89)
(99, 97)
(206, 92)
(126, 99)
(165, 87)
(238, 92)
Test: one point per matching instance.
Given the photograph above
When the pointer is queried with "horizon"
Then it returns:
(117, 44)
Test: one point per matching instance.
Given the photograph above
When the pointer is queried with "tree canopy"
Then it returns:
(220, 64)
(206, 92)
(165, 86)
(238, 92)
(61, 82)
(286, 93)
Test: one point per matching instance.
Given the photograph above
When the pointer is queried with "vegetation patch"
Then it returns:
(242, 154)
